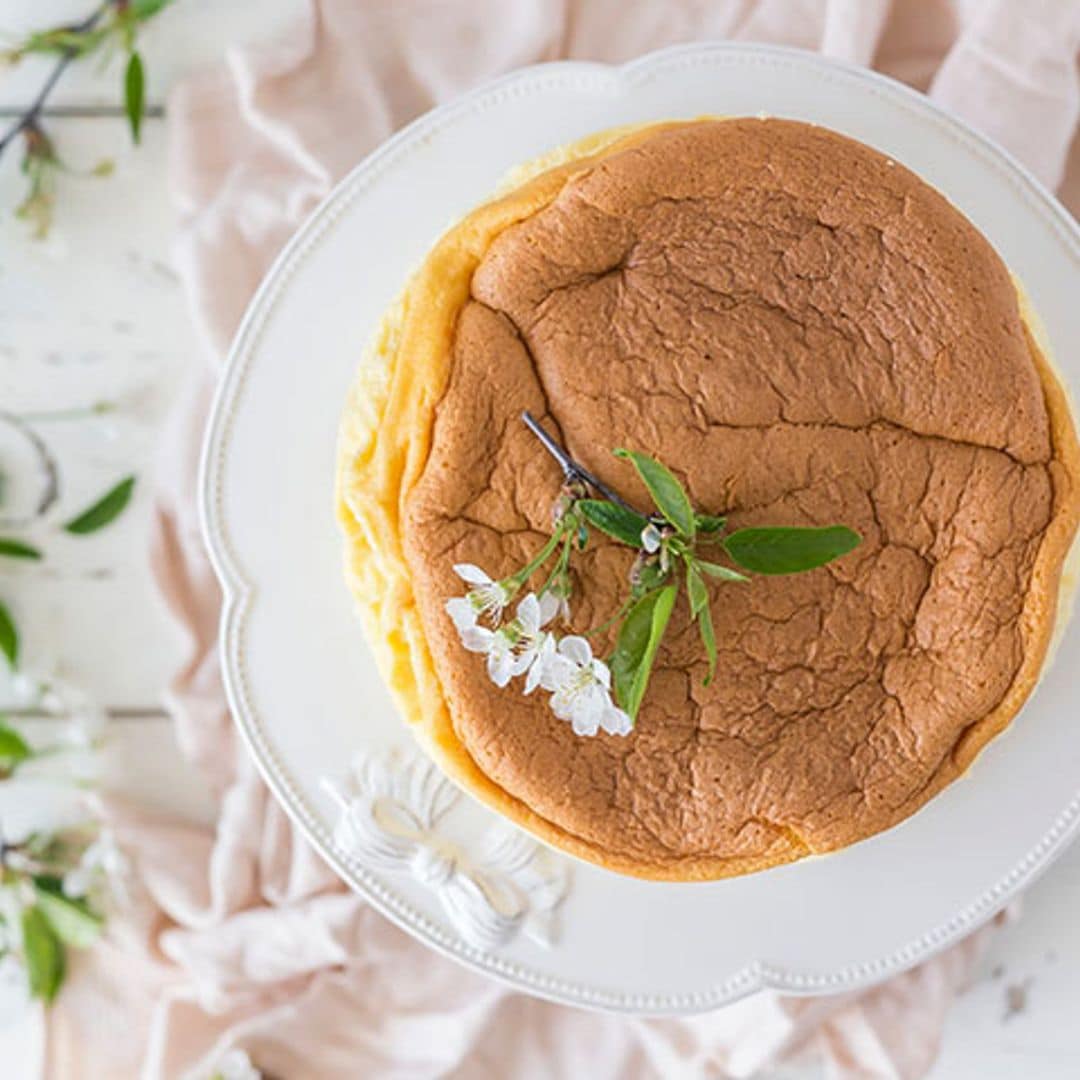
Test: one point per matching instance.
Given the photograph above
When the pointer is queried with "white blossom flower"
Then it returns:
(615, 721)
(520, 646)
(498, 646)
(486, 598)
(235, 1064)
(582, 686)
(535, 645)
(19, 861)
(87, 719)
(102, 863)
(28, 686)
(44, 688)
(502, 664)
(559, 591)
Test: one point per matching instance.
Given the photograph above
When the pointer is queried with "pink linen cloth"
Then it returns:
(240, 936)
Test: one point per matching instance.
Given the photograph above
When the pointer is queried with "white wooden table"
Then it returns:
(97, 313)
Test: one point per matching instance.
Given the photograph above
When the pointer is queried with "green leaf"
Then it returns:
(651, 576)
(12, 744)
(699, 608)
(710, 523)
(43, 954)
(708, 639)
(72, 920)
(617, 521)
(13, 747)
(668, 494)
(631, 643)
(134, 101)
(638, 641)
(9, 636)
(695, 589)
(62, 41)
(104, 511)
(721, 573)
(16, 549)
(788, 550)
(144, 9)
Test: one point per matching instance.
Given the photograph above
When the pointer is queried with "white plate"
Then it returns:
(305, 692)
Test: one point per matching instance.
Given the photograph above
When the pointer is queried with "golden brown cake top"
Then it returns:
(805, 333)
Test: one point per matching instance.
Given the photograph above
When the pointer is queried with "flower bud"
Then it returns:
(573, 489)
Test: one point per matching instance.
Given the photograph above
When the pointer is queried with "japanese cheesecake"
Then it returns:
(804, 332)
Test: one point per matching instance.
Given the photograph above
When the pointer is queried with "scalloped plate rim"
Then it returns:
(237, 590)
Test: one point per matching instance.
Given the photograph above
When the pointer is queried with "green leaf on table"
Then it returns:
(637, 644)
(16, 549)
(105, 510)
(617, 521)
(695, 589)
(43, 954)
(14, 750)
(721, 573)
(71, 919)
(666, 491)
(9, 636)
(789, 550)
(134, 95)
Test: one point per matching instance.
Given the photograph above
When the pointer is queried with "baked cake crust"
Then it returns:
(805, 333)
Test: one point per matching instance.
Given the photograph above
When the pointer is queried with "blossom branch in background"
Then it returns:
(113, 24)
(53, 885)
(56, 886)
(31, 453)
(54, 890)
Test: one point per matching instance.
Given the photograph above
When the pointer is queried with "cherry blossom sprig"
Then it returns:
(579, 683)
(593, 694)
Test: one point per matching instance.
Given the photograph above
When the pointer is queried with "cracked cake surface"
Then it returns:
(805, 333)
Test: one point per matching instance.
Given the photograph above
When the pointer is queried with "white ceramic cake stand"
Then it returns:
(307, 697)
